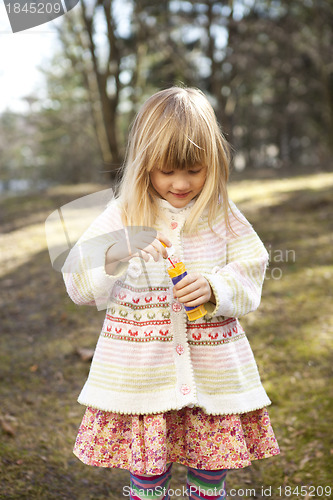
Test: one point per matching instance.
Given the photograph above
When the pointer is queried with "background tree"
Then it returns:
(266, 66)
(66, 133)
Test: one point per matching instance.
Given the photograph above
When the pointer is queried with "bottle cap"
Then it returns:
(177, 270)
(170, 250)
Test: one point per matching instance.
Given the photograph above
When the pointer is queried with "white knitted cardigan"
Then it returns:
(149, 358)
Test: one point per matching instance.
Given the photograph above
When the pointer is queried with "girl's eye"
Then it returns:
(167, 173)
(194, 171)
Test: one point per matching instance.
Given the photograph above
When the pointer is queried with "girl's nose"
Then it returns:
(181, 182)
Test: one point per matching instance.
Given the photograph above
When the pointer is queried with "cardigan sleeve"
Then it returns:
(237, 285)
(86, 280)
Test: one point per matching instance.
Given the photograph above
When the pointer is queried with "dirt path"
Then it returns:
(41, 373)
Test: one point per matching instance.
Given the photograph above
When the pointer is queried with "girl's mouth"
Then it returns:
(181, 195)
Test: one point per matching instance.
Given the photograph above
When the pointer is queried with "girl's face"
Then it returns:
(179, 187)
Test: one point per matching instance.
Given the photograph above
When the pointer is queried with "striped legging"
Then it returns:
(201, 484)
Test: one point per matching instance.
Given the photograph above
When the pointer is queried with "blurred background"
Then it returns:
(69, 92)
(266, 66)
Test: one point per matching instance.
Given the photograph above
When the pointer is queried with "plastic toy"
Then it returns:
(177, 272)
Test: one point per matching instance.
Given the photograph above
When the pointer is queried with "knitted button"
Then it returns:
(134, 270)
(180, 349)
(185, 389)
(176, 306)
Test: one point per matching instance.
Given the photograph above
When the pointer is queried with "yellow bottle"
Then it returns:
(177, 272)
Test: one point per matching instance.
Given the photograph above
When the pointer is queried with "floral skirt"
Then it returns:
(144, 444)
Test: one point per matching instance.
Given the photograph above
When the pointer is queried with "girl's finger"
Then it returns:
(151, 250)
(154, 247)
(144, 242)
(190, 297)
(195, 303)
(160, 248)
(190, 288)
(139, 240)
(188, 280)
(142, 255)
(163, 239)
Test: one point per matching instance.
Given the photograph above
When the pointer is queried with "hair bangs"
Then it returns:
(180, 146)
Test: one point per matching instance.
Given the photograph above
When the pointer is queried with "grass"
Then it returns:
(290, 334)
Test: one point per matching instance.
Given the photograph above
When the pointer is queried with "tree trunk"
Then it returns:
(108, 137)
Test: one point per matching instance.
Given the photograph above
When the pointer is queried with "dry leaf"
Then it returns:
(304, 461)
(7, 428)
(63, 316)
(33, 368)
(59, 377)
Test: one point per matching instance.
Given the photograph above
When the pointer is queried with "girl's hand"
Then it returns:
(193, 290)
(133, 243)
(153, 248)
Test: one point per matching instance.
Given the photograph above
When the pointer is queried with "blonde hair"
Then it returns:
(175, 128)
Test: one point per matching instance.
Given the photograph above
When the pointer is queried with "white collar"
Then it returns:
(167, 206)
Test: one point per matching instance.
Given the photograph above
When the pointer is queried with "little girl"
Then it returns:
(162, 388)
